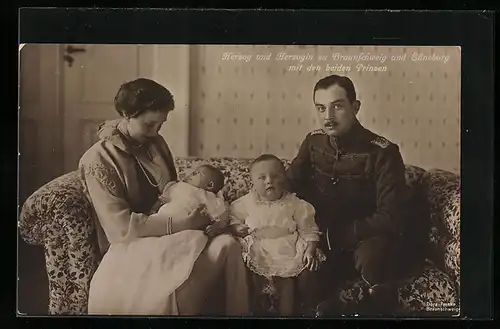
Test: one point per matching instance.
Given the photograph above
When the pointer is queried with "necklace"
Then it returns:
(145, 174)
(125, 132)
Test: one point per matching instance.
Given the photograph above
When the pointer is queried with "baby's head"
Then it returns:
(268, 177)
(207, 177)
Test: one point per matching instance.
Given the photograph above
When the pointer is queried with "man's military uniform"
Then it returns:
(357, 185)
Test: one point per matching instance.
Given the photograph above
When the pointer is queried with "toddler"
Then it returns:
(278, 234)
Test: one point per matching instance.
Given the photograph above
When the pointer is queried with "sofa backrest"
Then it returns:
(236, 171)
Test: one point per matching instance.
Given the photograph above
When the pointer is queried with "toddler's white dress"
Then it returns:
(280, 232)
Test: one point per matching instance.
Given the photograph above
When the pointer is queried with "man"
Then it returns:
(356, 181)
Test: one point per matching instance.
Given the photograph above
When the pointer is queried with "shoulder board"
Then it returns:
(317, 132)
(380, 142)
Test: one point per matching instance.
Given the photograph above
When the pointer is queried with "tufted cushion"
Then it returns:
(443, 194)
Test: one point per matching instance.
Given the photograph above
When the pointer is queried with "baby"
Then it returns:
(278, 232)
(202, 187)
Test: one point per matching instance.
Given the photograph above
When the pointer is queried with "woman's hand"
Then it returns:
(310, 259)
(216, 228)
(198, 219)
(240, 230)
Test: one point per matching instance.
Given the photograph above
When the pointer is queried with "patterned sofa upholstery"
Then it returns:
(59, 217)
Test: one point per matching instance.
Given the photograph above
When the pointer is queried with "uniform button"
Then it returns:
(334, 180)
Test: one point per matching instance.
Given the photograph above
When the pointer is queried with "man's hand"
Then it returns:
(310, 259)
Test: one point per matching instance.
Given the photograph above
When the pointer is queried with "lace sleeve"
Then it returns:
(306, 224)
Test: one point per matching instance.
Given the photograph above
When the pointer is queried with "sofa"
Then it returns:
(58, 217)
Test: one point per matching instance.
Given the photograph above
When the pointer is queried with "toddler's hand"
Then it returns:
(240, 230)
(310, 259)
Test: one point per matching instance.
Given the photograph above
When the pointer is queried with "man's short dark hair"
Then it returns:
(219, 176)
(342, 81)
(266, 157)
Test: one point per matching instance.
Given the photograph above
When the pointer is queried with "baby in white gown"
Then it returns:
(202, 187)
(277, 231)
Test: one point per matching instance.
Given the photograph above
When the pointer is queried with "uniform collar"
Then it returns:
(355, 134)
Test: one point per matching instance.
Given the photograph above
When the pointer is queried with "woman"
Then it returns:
(123, 174)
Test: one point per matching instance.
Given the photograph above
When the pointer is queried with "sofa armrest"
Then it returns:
(59, 217)
(443, 193)
(38, 217)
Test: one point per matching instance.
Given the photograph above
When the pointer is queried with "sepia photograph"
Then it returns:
(239, 180)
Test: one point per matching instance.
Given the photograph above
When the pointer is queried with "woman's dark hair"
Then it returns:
(142, 95)
(342, 81)
(267, 157)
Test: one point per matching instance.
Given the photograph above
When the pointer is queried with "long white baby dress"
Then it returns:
(280, 232)
(156, 266)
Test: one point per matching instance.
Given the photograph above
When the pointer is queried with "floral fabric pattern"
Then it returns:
(443, 197)
(59, 217)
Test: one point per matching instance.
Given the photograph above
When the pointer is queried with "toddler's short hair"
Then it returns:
(267, 157)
